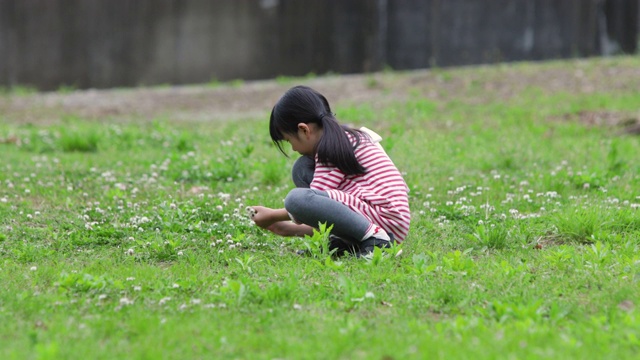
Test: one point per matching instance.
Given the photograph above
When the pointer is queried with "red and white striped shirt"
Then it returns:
(380, 194)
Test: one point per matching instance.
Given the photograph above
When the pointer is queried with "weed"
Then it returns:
(78, 141)
(491, 236)
(580, 225)
(317, 245)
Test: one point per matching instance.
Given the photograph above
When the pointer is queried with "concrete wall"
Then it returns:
(113, 43)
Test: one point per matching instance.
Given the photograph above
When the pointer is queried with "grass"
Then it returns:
(130, 239)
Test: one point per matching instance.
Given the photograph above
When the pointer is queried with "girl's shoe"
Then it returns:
(367, 245)
(341, 246)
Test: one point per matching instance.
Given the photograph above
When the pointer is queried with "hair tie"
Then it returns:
(322, 116)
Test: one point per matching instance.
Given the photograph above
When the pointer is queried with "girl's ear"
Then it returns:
(304, 128)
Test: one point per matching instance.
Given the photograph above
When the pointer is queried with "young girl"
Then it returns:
(343, 178)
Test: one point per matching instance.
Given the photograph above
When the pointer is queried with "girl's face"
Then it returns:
(305, 140)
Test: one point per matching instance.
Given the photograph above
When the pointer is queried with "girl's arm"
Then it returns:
(278, 222)
(288, 228)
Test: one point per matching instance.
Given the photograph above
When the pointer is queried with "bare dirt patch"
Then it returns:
(625, 122)
(254, 99)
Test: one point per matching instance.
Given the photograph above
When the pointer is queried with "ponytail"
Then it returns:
(335, 147)
(301, 104)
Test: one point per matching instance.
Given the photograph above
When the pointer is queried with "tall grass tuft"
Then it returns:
(580, 225)
(493, 236)
(77, 141)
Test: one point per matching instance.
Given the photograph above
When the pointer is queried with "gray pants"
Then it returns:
(312, 207)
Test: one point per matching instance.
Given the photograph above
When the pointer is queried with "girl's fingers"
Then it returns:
(251, 211)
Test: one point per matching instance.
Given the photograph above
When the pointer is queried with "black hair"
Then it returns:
(302, 104)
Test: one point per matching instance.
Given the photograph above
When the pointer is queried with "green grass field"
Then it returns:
(127, 237)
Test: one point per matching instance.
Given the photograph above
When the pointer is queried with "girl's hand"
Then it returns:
(263, 216)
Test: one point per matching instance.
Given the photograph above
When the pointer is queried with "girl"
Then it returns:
(343, 178)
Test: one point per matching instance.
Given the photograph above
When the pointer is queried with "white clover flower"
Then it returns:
(175, 286)
(164, 300)
(102, 296)
(137, 288)
(130, 278)
(33, 268)
(180, 253)
(126, 301)
(130, 251)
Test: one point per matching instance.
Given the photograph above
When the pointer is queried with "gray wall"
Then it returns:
(113, 43)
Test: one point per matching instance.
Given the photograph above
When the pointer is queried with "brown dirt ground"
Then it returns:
(254, 99)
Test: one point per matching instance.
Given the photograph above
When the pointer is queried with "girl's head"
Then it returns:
(303, 117)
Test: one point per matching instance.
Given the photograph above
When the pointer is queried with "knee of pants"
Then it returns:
(298, 200)
(302, 172)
